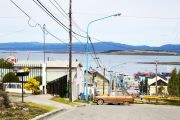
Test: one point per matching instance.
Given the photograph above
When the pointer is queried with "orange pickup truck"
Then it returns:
(114, 99)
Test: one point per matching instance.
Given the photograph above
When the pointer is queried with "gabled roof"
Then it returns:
(159, 83)
(153, 80)
(97, 73)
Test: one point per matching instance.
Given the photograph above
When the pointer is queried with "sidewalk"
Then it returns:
(45, 100)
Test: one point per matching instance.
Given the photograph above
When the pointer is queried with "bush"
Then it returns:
(10, 77)
(4, 99)
(5, 64)
(39, 79)
(32, 84)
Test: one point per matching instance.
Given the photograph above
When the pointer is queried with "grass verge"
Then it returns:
(81, 101)
(23, 111)
(48, 108)
(62, 100)
(160, 102)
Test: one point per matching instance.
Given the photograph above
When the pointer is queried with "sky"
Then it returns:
(143, 22)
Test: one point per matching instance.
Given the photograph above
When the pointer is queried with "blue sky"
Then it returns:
(143, 22)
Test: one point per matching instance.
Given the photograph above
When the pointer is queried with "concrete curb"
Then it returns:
(49, 114)
(81, 105)
(45, 116)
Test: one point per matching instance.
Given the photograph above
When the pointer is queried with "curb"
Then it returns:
(49, 114)
(56, 111)
(81, 105)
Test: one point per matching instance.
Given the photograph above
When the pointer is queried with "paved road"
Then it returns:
(120, 112)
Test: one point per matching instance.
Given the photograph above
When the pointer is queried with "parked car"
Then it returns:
(114, 99)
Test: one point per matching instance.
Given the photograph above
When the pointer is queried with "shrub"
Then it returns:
(32, 84)
(5, 64)
(4, 99)
(39, 79)
(10, 77)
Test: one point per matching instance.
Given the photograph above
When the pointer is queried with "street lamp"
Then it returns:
(87, 47)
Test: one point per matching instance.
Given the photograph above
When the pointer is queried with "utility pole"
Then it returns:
(44, 74)
(70, 50)
(104, 81)
(110, 83)
(156, 62)
(44, 41)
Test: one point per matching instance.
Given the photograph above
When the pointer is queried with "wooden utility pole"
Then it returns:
(104, 81)
(70, 50)
(156, 62)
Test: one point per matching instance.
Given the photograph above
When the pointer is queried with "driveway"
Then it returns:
(121, 112)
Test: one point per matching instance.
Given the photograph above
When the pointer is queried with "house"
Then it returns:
(52, 71)
(57, 70)
(160, 82)
(97, 83)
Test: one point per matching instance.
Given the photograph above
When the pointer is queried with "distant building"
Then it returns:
(160, 82)
(95, 83)
(132, 85)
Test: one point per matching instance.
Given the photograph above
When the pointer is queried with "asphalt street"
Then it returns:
(121, 112)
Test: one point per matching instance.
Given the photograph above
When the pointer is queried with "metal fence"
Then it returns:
(58, 87)
(34, 69)
(5, 70)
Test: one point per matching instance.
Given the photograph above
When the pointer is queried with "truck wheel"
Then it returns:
(100, 102)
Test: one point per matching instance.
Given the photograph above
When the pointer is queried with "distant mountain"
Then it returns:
(80, 47)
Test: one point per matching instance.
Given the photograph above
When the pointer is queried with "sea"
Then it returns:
(127, 64)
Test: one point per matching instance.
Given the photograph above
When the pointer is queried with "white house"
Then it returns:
(50, 71)
(160, 82)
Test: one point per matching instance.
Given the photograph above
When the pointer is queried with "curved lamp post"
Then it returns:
(87, 47)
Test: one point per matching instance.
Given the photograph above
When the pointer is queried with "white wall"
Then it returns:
(152, 90)
(77, 84)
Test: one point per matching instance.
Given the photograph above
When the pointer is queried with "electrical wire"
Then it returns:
(63, 12)
(58, 21)
(36, 23)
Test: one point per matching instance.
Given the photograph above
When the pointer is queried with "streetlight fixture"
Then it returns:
(87, 46)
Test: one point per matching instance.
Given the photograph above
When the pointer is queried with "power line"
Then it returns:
(78, 28)
(65, 14)
(59, 22)
(55, 36)
(94, 52)
(51, 15)
(148, 17)
(55, 18)
(36, 23)
(61, 7)
(133, 16)
(20, 8)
